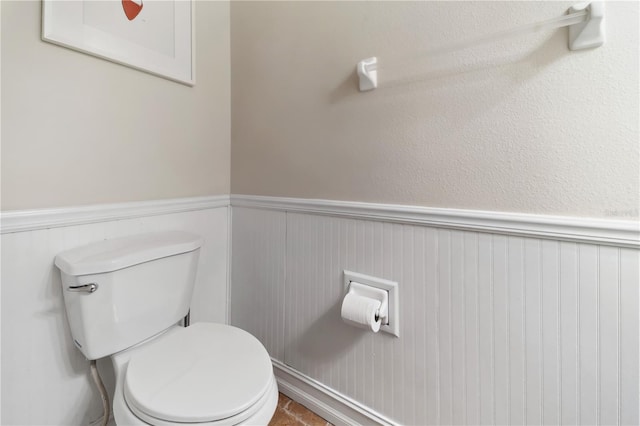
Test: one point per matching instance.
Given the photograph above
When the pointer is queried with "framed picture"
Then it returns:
(155, 36)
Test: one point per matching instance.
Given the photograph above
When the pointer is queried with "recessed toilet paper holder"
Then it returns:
(380, 289)
(373, 293)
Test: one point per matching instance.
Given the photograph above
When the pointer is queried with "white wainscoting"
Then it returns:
(45, 380)
(497, 327)
(257, 304)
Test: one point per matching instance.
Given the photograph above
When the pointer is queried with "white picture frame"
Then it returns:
(154, 36)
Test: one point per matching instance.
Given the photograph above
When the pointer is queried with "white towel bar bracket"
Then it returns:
(586, 30)
(589, 33)
(368, 74)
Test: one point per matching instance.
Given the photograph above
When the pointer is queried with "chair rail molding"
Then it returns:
(619, 233)
(29, 220)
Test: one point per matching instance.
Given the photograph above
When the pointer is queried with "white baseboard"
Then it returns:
(324, 401)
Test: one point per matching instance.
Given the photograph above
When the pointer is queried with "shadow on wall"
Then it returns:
(444, 68)
(67, 356)
(342, 337)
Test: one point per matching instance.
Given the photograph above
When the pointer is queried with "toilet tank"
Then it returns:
(121, 291)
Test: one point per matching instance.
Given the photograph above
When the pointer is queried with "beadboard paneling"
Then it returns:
(256, 302)
(45, 379)
(628, 354)
(495, 329)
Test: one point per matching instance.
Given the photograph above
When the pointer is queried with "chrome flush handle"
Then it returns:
(86, 288)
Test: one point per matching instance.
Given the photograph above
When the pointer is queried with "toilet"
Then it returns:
(124, 298)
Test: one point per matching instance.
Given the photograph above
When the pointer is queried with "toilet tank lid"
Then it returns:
(118, 253)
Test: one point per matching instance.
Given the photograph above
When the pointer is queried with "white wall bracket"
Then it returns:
(589, 33)
(368, 73)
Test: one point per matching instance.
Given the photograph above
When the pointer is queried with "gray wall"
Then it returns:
(518, 124)
(80, 130)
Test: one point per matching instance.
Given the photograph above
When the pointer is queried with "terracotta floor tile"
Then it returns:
(297, 409)
(281, 418)
(283, 401)
(291, 413)
(312, 419)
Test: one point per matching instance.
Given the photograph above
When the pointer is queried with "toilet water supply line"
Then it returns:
(106, 408)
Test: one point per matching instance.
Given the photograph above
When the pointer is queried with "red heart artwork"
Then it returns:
(132, 8)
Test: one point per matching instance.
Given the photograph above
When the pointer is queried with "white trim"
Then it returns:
(229, 263)
(326, 402)
(597, 231)
(29, 220)
(590, 230)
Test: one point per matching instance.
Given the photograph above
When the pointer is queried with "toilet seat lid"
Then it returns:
(203, 373)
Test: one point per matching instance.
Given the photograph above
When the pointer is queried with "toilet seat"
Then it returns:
(230, 421)
(189, 377)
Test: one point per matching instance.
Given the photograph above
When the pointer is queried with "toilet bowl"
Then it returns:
(206, 374)
(123, 299)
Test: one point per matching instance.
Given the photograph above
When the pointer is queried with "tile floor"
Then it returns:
(290, 413)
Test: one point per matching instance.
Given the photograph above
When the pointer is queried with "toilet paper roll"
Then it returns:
(361, 311)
